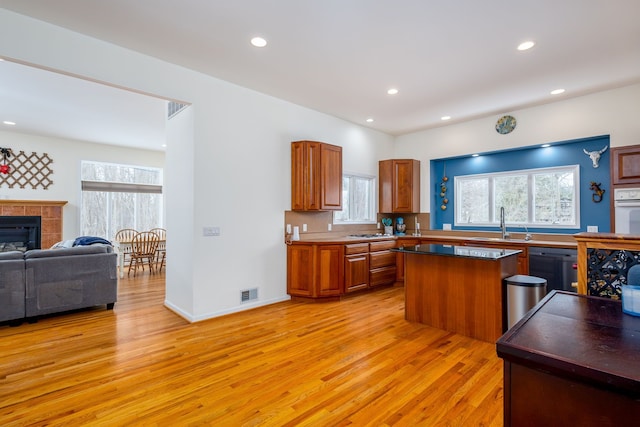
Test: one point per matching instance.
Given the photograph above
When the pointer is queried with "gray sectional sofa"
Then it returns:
(39, 282)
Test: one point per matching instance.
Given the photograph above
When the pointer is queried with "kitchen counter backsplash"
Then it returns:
(318, 230)
(318, 224)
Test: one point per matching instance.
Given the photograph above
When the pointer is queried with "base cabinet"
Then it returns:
(315, 271)
(382, 263)
(356, 267)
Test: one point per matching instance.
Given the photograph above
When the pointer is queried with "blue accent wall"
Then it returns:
(558, 154)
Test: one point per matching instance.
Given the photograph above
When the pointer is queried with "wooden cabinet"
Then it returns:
(382, 263)
(316, 176)
(399, 186)
(327, 270)
(315, 271)
(356, 267)
(400, 258)
(626, 165)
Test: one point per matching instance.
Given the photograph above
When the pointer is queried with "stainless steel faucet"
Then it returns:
(503, 224)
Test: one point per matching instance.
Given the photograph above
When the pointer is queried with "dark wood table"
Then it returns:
(572, 361)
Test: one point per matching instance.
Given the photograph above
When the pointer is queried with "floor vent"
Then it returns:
(174, 108)
(248, 295)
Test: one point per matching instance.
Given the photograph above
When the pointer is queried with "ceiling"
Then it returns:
(453, 58)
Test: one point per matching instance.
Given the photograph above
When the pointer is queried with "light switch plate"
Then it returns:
(210, 231)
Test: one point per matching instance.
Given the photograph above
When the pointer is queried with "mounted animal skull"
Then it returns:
(595, 155)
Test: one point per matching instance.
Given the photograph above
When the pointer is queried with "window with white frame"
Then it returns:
(116, 196)
(358, 200)
(546, 197)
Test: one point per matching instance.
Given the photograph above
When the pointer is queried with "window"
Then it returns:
(119, 196)
(358, 200)
(546, 197)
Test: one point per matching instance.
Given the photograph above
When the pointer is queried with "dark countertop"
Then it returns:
(458, 251)
(580, 337)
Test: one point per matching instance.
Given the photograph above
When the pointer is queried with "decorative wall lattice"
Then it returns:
(607, 271)
(28, 170)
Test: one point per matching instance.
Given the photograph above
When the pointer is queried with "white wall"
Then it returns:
(232, 171)
(66, 156)
(613, 112)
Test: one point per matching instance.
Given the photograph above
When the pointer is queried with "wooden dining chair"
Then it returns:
(143, 246)
(125, 235)
(162, 247)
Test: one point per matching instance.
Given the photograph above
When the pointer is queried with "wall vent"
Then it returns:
(248, 295)
(174, 108)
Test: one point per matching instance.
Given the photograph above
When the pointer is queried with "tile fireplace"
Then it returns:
(50, 213)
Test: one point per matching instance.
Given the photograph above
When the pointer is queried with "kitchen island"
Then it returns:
(457, 288)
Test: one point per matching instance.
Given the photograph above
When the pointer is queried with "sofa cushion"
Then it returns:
(11, 255)
(76, 250)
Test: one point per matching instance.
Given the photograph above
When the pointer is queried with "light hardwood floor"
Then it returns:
(355, 362)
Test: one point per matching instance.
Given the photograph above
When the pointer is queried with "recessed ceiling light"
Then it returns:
(526, 45)
(475, 155)
(557, 91)
(545, 145)
(445, 118)
(392, 91)
(258, 42)
(7, 122)
(369, 120)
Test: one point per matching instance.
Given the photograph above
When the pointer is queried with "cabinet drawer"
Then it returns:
(382, 276)
(382, 259)
(382, 245)
(356, 248)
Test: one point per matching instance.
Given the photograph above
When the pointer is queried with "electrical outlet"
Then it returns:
(592, 228)
(328, 227)
(446, 226)
(210, 231)
(378, 226)
(288, 229)
(304, 228)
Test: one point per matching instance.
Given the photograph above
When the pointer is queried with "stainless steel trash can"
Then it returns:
(522, 293)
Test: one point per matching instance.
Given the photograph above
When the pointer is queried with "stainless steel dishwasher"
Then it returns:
(556, 265)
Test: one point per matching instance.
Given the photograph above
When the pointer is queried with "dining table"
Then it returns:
(123, 247)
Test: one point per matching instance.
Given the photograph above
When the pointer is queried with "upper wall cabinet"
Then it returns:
(316, 176)
(626, 165)
(399, 190)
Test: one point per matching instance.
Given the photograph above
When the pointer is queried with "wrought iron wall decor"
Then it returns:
(607, 271)
(597, 191)
(443, 188)
(24, 170)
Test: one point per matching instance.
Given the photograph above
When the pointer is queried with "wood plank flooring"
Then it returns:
(355, 362)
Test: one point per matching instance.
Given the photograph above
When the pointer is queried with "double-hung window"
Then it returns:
(547, 197)
(116, 196)
(358, 200)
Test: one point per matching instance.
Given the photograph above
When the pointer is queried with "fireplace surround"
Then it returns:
(50, 212)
